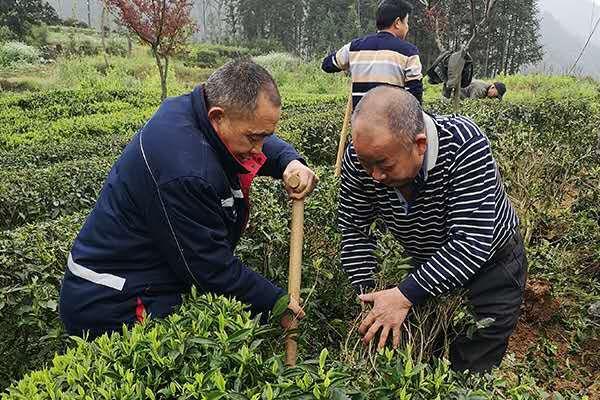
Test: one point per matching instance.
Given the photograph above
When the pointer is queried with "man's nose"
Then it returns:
(378, 175)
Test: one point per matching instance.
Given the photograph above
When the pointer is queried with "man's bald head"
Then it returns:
(390, 107)
(388, 135)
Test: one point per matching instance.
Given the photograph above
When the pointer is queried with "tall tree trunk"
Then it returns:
(163, 84)
(103, 34)
(487, 54)
(162, 72)
(74, 10)
(89, 14)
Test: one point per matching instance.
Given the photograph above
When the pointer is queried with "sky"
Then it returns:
(577, 20)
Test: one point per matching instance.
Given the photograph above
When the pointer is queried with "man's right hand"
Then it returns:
(293, 313)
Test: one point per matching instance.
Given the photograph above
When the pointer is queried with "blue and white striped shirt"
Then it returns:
(459, 218)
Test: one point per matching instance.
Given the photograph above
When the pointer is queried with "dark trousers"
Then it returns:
(495, 292)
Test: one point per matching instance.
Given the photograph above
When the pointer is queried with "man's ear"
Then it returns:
(421, 142)
(215, 115)
(401, 21)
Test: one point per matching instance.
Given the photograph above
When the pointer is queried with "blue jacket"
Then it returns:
(169, 215)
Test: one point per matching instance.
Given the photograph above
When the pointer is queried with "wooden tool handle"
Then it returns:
(343, 135)
(295, 268)
(294, 181)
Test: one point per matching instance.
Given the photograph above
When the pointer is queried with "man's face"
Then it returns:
(244, 136)
(402, 27)
(385, 156)
(492, 91)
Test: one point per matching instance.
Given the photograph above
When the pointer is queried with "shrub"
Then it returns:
(61, 189)
(44, 154)
(6, 34)
(206, 55)
(13, 53)
(556, 196)
(210, 349)
(116, 46)
(278, 61)
(32, 261)
(38, 36)
(62, 125)
(117, 123)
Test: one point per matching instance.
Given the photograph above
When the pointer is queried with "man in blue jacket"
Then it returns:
(175, 204)
(382, 58)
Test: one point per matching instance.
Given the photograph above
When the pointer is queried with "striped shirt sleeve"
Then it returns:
(413, 72)
(471, 219)
(337, 61)
(355, 216)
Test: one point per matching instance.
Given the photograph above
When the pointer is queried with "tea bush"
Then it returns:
(38, 194)
(38, 129)
(44, 154)
(74, 42)
(547, 150)
(210, 349)
(32, 261)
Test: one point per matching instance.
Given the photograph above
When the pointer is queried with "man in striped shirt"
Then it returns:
(381, 58)
(435, 184)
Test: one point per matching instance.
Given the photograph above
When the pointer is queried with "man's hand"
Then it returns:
(294, 312)
(390, 308)
(308, 180)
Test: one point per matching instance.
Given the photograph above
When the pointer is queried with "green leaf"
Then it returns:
(280, 307)
(149, 394)
(239, 336)
(322, 359)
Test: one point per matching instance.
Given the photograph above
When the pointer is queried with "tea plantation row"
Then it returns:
(56, 148)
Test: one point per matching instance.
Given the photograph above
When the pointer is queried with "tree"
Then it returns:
(164, 25)
(20, 15)
(103, 35)
(440, 14)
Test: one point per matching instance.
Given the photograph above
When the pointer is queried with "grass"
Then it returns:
(521, 88)
(294, 76)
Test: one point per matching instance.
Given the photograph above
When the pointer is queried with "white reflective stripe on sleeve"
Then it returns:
(238, 194)
(109, 280)
(335, 62)
(227, 202)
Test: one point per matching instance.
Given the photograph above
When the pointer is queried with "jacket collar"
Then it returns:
(230, 163)
(431, 154)
(384, 33)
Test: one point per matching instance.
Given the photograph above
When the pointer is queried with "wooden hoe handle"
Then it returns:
(343, 137)
(295, 272)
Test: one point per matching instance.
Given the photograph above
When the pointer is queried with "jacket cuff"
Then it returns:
(287, 158)
(364, 287)
(266, 310)
(411, 289)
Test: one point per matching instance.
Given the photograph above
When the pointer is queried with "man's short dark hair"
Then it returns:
(236, 87)
(389, 10)
(501, 88)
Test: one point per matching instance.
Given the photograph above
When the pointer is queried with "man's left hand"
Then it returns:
(389, 311)
(308, 180)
